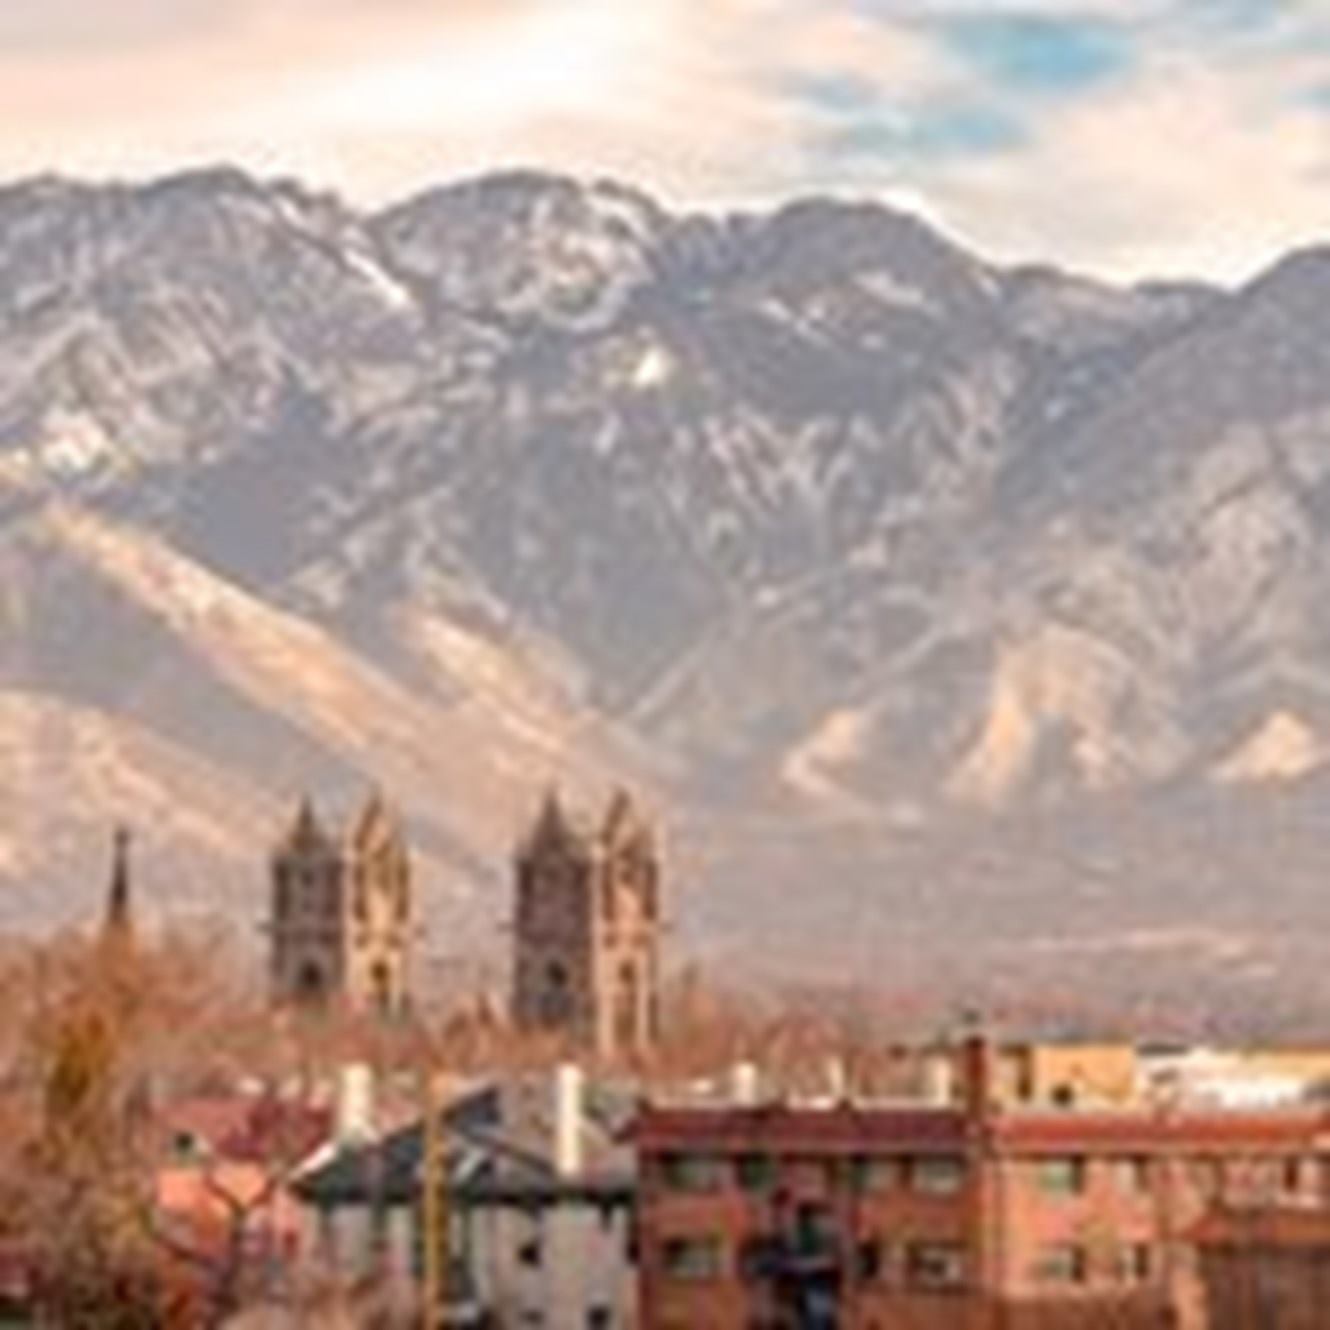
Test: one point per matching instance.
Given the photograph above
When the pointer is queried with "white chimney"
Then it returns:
(939, 1078)
(838, 1080)
(744, 1086)
(568, 1089)
(354, 1122)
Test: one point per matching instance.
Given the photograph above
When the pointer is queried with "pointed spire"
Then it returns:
(306, 831)
(622, 822)
(375, 819)
(119, 905)
(551, 809)
(549, 827)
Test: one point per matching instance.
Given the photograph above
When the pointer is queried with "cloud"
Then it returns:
(1185, 169)
(1115, 134)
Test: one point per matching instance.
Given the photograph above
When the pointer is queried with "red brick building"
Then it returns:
(956, 1217)
(1265, 1268)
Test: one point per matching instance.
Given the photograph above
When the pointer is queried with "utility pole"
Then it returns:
(434, 1204)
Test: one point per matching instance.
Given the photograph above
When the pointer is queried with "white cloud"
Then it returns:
(1196, 162)
(1184, 170)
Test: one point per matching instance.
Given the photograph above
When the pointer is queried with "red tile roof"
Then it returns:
(246, 1127)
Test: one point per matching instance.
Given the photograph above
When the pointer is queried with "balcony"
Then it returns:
(786, 1258)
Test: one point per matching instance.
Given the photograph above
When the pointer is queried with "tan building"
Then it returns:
(1069, 1073)
(586, 930)
(341, 917)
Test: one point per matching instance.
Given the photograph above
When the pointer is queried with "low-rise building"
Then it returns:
(1266, 1268)
(968, 1215)
(537, 1190)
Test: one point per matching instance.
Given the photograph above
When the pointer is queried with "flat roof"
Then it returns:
(794, 1128)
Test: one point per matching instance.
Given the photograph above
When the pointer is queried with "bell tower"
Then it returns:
(378, 951)
(586, 930)
(341, 913)
(306, 918)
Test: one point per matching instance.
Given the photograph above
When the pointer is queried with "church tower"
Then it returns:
(341, 913)
(587, 926)
(118, 924)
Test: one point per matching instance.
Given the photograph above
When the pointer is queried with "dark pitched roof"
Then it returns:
(497, 1150)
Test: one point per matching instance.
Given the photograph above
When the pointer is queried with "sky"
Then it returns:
(1127, 138)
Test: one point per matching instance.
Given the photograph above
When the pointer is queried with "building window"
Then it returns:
(1132, 1176)
(692, 1259)
(310, 984)
(1061, 1263)
(870, 1260)
(1135, 1263)
(936, 1265)
(627, 1006)
(556, 997)
(1061, 1177)
(755, 1172)
(759, 1258)
(938, 1175)
(1295, 1174)
(814, 1233)
(825, 1174)
(282, 906)
(531, 1253)
(599, 1317)
(1207, 1176)
(187, 1148)
(381, 987)
(874, 1173)
(691, 1172)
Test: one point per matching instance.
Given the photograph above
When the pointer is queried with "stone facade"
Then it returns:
(341, 921)
(587, 925)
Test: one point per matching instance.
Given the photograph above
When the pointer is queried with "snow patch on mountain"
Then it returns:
(1283, 748)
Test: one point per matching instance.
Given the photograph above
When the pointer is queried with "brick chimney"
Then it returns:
(978, 1088)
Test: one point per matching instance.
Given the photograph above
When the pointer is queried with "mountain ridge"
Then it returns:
(558, 467)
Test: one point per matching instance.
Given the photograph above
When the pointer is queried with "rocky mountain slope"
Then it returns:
(834, 537)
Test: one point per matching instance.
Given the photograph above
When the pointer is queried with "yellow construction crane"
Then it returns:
(434, 1204)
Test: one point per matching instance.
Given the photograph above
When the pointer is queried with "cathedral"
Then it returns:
(341, 913)
(586, 930)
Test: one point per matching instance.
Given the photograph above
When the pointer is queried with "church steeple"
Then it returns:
(119, 921)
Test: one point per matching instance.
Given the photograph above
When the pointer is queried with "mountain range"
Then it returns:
(957, 619)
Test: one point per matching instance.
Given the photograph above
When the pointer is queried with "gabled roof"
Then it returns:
(498, 1147)
(245, 1128)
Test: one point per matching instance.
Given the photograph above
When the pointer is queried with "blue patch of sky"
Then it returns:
(857, 119)
(1236, 16)
(935, 133)
(840, 94)
(1036, 54)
